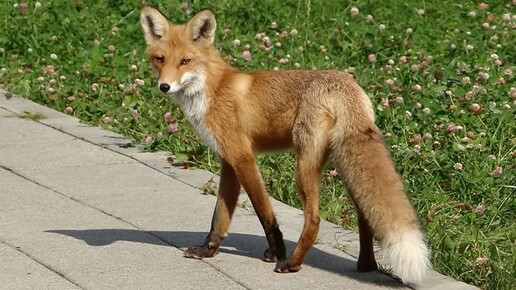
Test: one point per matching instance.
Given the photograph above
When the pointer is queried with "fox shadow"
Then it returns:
(251, 246)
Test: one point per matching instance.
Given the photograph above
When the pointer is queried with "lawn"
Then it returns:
(441, 76)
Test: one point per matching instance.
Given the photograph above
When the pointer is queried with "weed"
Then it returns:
(34, 116)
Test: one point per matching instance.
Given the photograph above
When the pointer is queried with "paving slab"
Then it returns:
(81, 209)
(38, 224)
(20, 271)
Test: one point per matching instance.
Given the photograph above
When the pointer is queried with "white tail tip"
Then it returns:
(408, 255)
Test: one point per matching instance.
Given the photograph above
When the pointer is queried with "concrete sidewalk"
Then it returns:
(80, 210)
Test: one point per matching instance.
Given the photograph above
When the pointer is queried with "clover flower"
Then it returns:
(497, 171)
(168, 117)
(172, 127)
(246, 55)
(458, 166)
(481, 261)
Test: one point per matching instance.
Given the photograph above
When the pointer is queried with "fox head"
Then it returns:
(179, 53)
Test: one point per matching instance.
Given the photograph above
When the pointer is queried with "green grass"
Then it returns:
(444, 96)
(34, 116)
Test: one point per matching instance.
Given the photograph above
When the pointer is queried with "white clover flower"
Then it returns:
(139, 82)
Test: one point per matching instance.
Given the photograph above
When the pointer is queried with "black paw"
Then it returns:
(366, 265)
(285, 266)
(268, 256)
(199, 252)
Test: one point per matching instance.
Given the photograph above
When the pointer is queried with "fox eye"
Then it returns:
(159, 58)
(185, 61)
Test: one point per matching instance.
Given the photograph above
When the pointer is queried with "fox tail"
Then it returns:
(377, 190)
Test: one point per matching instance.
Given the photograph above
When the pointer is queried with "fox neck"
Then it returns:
(216, 69)
(195, 100)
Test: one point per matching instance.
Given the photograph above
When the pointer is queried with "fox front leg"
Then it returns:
(229, 189)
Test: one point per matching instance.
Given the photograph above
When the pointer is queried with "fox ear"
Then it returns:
(202, 27)
(154, 24)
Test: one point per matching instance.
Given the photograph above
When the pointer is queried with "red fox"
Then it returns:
(318, 114)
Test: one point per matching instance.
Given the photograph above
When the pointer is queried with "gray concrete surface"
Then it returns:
(80, 211)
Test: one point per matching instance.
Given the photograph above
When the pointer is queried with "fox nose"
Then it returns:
(164, 88)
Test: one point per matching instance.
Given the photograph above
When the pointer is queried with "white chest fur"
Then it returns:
(189, 92)
(195, 107)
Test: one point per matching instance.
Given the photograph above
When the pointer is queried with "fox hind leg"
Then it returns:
(366, 261)
(311, 150)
